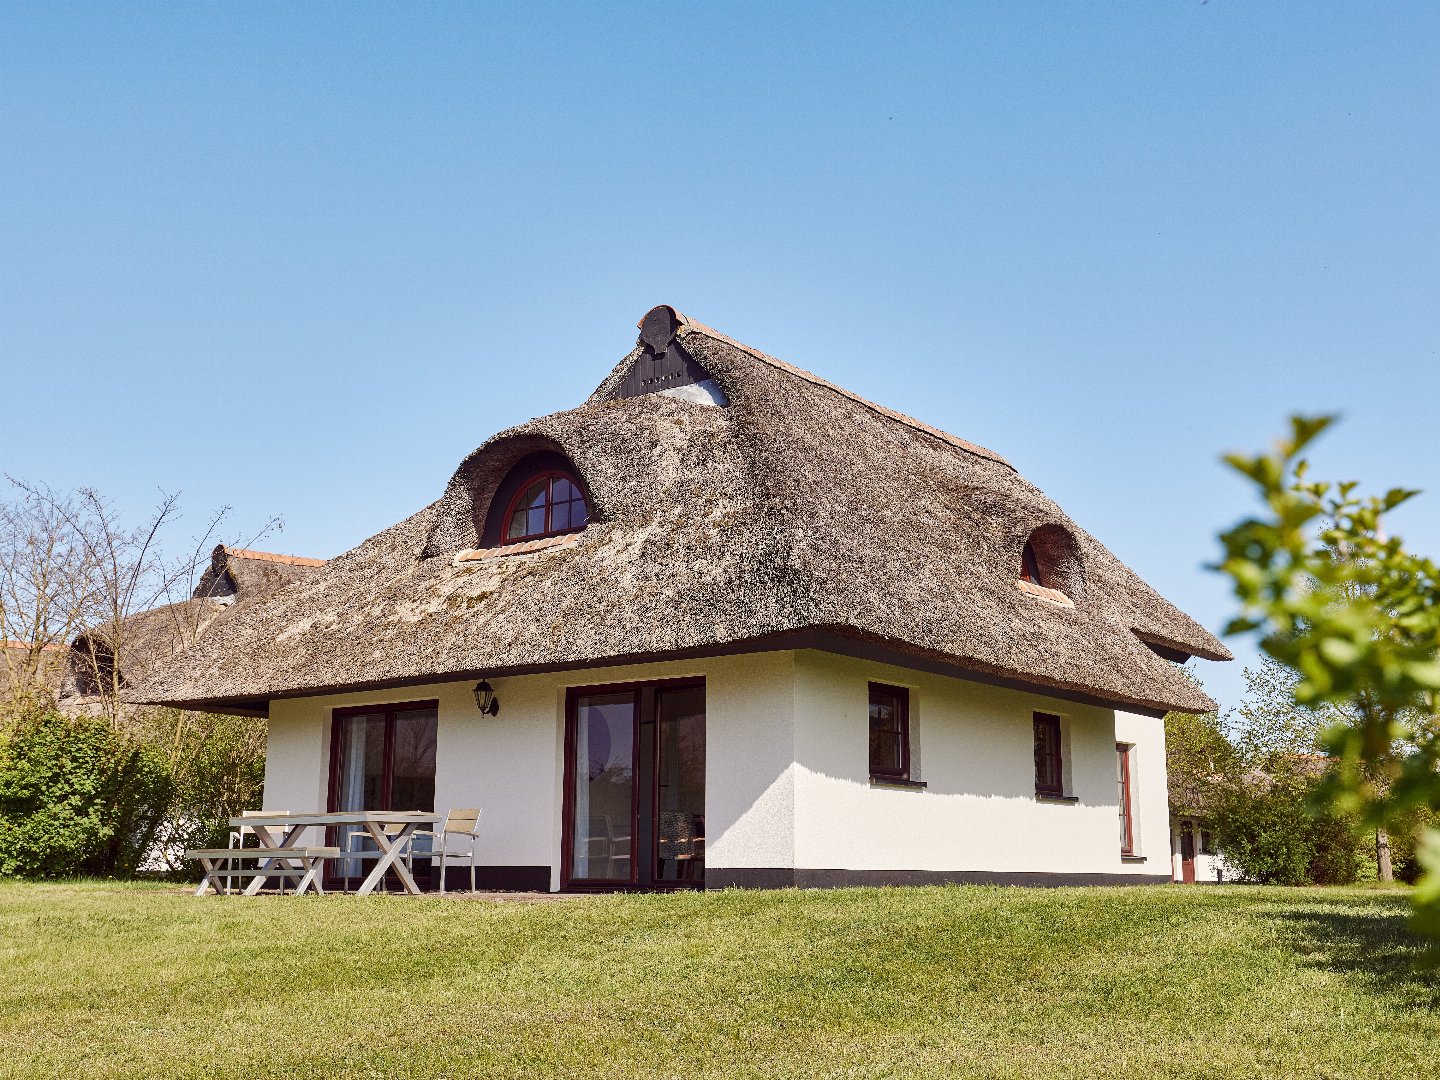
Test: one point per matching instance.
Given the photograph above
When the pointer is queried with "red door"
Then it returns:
(1187, 855)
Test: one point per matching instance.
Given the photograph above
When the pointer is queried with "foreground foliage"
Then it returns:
(127, 980)
(1333, 597)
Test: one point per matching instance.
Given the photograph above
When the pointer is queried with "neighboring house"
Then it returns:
(235, 575)
(1193, 854)
(26, 665)
(740, 627)
(1193, 857)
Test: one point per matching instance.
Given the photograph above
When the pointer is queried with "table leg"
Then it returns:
(313, 873)
(390, 850)
(212, 878)
(262, 834)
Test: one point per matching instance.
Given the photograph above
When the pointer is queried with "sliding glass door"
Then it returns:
(382, 757)
(635, 786)
(602, 788)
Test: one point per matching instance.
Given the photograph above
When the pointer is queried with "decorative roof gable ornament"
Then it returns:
(664, 367)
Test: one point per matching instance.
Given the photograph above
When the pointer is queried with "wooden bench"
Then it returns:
(221, 865)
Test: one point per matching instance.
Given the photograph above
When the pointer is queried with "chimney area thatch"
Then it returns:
(736, 503)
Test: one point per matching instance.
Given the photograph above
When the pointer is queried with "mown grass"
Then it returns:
(128, 980)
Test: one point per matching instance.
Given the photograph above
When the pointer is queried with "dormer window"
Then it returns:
(1030, 565)
(546, 505)
(1050, 566)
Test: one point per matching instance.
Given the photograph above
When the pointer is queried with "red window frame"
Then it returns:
(1049, 756)
(1127, 814)
(901, 698)
(645, 709)
(550, 476)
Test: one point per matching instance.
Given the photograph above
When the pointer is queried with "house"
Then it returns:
(1193, 854)
(26, 666)
(732, 625)
(141, 640)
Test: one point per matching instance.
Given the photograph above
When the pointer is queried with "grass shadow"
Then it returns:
(1373, 946)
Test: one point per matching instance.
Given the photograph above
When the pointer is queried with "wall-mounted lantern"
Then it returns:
(485, 699)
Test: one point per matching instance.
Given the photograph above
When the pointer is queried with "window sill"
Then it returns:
(897, 782)
(1041, 796)
(1132, 858)
(518, 547)
(1054, 596)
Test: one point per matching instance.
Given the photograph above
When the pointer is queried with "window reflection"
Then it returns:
(604, 788)
(680, 785)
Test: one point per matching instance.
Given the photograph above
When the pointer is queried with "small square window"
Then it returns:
(889, 732)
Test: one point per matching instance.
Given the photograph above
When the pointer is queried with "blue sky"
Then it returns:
(301, 259)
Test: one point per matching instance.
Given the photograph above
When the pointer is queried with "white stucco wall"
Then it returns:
(973, 747)
(1149, 787)
(787, 776)
(511, 766)
(297, 758)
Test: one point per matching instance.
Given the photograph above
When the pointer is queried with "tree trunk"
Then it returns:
(1382, 855)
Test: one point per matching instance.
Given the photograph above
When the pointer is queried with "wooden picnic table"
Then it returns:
(283, 830)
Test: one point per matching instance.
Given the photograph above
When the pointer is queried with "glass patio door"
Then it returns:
(381, 758)
(635, 786)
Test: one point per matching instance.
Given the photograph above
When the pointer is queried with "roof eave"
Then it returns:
(841, 641)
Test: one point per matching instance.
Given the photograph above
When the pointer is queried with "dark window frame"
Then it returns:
(387, 769)
(526, 485)
(645, 710)
(1052, 723)
(901, 695)
(1127, 798)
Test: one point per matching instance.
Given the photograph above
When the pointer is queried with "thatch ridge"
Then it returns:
(796, 506)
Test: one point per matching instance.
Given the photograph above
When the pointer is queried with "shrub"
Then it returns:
(1270, 831)
(217, 766)
(77, 797)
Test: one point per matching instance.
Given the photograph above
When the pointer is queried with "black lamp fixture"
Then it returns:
(485, 699)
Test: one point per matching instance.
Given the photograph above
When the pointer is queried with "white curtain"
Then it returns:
(580, 833)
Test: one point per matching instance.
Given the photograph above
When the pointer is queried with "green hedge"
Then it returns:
(1272, 830)
(77, 797)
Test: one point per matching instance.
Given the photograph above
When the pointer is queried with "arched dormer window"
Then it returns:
(528, 497)
(92, 666)
(1030, 566)
(1051, 567)
(547, 504)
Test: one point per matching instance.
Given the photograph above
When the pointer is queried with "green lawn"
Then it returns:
(125, 980)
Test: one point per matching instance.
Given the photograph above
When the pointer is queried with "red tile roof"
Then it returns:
(267, 556)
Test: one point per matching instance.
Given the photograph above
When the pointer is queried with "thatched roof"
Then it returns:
(234, 578)
(793, 514)
(242, 573)
(24, 664)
